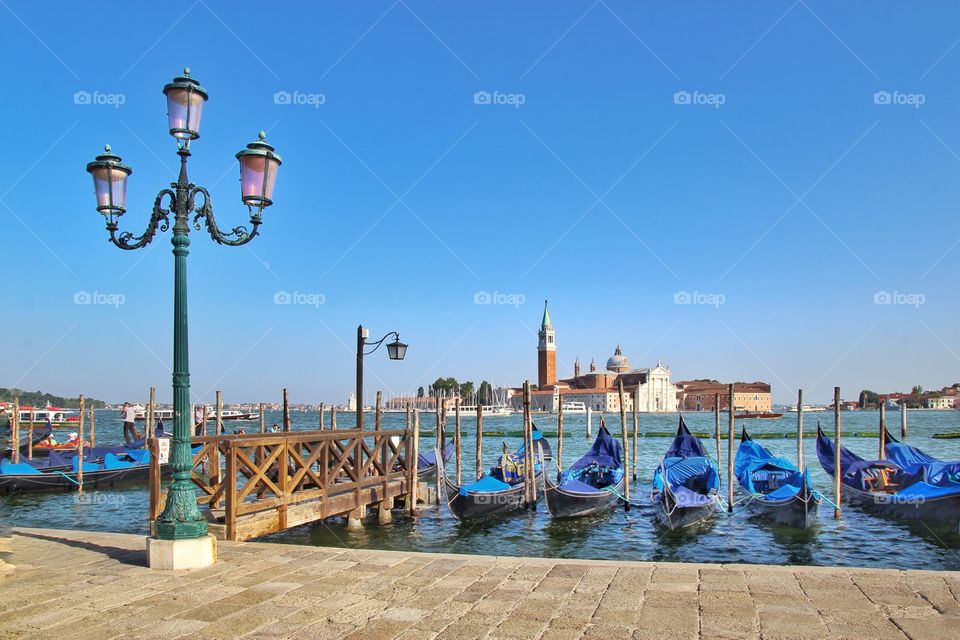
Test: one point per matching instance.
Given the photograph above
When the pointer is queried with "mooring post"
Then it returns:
(219, 422)
(333, 416)
(30, 434)
(286, 411)
(836, 452)
(625, 441)
(415, 463)
(93, 441)
(883, 432)
(559, 438)
(321, 416)
(151, 417)
(203, 420)
(528, 450)
(15, 431)
(479, 441)
(439, 446)
(800, 463)
(378, 413)
(636, 430)
(716, 425)
(80, 450)
(589, 423)
(457, 436)
(903, 418)
(263, 422)
(730, 429)
(383, 511)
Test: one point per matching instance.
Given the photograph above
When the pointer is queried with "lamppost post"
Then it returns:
(396, 350)
(181, 520)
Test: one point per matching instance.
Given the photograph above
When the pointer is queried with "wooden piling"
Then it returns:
(903, 418)
(15, 431)
(636, 430)
(479, 441)
(589, 423)
(333, 416)
(439, 447)
(530, 483)
(93, 441)
(800, 463)
(203, 420)
(414, 463)
(263, 422)
(625, 441)
(378, 413)
(457, 437)
(80, 450)
(836, 452)
(219, 413)
(559, 438)
(883, 432)
(151, 417)
(730, 429)
(30, 435)
(286, 411)
(716, 425)
(321, 418)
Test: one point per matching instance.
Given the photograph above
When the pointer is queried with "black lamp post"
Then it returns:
(396, 350)
(258, 170)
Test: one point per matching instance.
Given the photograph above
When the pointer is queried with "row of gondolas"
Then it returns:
(905, 483)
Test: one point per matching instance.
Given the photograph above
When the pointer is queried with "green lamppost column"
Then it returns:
(181, 521)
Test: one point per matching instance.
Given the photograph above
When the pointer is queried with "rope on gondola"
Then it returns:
(68, 477)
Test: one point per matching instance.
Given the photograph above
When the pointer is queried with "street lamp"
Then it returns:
(396, 350)
(181, 520)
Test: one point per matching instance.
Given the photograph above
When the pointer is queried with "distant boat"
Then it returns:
(574, 407)
(758, 415)
(140, 413)
(807, 408)
(55, 417)
(232, 414)
(471, 410)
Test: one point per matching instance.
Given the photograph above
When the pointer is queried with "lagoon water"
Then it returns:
(857, 539)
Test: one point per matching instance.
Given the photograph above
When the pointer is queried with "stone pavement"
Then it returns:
(75, 585)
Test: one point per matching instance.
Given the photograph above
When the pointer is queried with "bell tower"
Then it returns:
(546, 351)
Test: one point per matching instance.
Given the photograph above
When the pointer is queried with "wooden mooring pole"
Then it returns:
(286, 411)
(30, 435)
(528, 460)
(457, 437)
(415, 462)
(883, 432)
(93, 441)
(15, 431)
(730, 429)
(589, 423)
(636, 430)
(903, 418)
(479, 441)
(219, 422)
(559, 438)
(625, 442)
(439, 447)
(80, 450)
(716, 425)
(151, 418)
(800, 463)
(836, 452)
(263, 422)
(333, 416)
(321, 418)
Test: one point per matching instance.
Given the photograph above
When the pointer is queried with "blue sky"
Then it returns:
(612, 157)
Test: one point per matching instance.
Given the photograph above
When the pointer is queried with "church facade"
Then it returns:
(649, 388)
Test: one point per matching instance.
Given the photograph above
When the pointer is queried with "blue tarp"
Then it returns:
(111, 461)
(605, 452)
(691, 474)
(917, 462)
(601, 466)
(486, 484)
(685, 444)
(87, 466)
(759, 471)
(20, 468)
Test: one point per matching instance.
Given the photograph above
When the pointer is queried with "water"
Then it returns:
(857, 539)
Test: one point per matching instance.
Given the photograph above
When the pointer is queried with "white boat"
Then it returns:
(471, 410)
(807, 408)
(574, 407)
(231, 414)
(56, 417)
(140, 413)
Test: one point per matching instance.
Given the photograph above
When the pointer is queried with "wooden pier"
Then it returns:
(257, 484)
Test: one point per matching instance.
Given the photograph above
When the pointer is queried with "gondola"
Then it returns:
(39, 435)
(779, 491)
(114, 470)
(427, 460)
(685, 484)
(498, 492)
(894, 489)
(593, 484)
(933, 470)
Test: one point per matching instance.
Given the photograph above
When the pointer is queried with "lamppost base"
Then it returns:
(192, 553)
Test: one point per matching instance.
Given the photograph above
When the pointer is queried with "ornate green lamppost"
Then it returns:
(181, 520)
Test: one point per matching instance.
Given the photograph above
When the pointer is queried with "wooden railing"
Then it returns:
(316, 473)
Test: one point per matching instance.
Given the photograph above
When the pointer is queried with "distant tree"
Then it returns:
(430, 390)
(420, 392)
(869, 399)
(466, 389)
(485, 393)
(917, 390)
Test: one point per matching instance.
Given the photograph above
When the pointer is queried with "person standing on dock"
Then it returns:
(129, 415)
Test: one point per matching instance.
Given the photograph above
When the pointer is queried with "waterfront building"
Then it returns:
(698, 395)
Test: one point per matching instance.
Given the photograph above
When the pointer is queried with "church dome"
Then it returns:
(618, 362)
